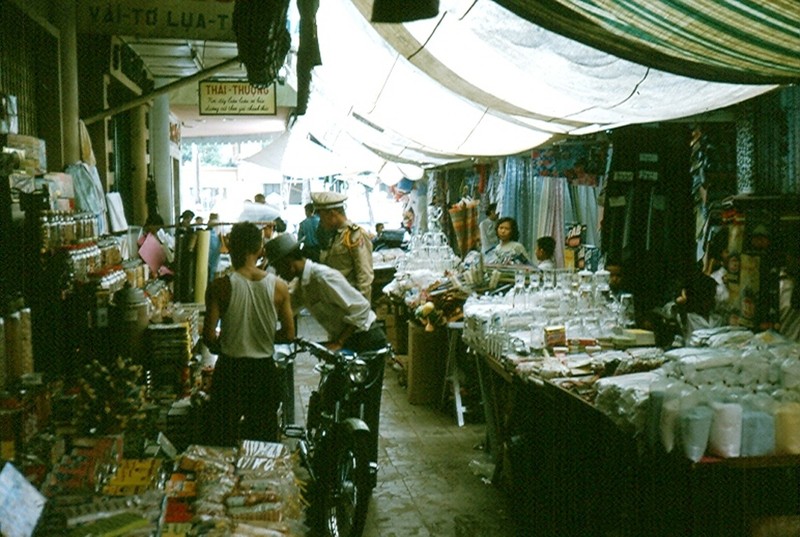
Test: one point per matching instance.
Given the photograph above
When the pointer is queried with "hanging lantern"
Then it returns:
(262, 38)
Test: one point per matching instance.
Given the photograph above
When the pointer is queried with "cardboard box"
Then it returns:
(427, 360)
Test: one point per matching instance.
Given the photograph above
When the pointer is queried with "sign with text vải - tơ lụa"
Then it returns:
(186, 19)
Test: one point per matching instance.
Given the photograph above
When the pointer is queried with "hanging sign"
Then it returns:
(186, 19)
(235, 98)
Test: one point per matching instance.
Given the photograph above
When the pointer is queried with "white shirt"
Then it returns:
(722, 288)
(547, 264)
(332, 301)
(508, 253)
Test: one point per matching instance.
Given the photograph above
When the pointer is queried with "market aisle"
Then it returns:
(426, 479)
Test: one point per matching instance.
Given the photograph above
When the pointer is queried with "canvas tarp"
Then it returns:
(479, 80)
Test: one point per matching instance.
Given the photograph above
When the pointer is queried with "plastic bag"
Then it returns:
(695, 427)
(669, 425)
(758, 433)
(725, 438)
(787, 428)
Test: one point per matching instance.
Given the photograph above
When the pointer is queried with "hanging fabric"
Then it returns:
(583, 208)
(87, 153)
(551, 215)
(89, 195)
(464, 217)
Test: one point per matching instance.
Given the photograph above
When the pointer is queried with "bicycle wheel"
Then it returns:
(344, 489)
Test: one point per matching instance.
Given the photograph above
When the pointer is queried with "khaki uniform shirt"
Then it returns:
(350, 252)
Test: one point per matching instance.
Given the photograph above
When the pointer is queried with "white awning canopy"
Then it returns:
(293, 154)
(479, 81)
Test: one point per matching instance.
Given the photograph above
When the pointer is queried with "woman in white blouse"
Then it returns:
(508, 251)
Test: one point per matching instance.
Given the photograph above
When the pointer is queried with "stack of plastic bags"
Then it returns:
(729, 401)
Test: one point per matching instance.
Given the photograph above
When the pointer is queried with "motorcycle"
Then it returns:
(338, 444)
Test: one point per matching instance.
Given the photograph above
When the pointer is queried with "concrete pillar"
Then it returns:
(65, 17)
(161, 156)
(139, 158)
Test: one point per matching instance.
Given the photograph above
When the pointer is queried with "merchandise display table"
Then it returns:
(569, 468)
(251, 489)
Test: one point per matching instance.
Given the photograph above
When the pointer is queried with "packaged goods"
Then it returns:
(695, 426)
(725, 438)
(758, 433)
(787, 428)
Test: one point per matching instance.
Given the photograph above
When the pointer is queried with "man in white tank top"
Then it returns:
(248, 305)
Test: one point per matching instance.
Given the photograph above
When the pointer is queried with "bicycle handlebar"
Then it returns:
(321, 351)
(317, 349)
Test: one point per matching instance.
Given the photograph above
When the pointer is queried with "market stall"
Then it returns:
(594, 430)
(95, 490)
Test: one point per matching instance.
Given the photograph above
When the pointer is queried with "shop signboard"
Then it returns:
(187, 19)
(235, 98)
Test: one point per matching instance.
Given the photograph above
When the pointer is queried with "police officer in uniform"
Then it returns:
(349, 249)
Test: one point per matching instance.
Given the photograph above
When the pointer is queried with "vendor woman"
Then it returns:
(508, 251)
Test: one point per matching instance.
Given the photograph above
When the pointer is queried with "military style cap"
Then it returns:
(277, 248)
(328, 200)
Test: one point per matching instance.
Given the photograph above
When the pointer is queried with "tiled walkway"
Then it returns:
(432, 477)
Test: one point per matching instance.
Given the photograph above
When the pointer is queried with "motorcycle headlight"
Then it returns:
(358, 371)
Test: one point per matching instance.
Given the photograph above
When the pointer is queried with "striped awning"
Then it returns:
(735, 41)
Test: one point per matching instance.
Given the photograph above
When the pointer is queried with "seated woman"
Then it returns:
(508, 251)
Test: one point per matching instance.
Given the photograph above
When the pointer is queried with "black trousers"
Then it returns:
(245, 396)
(372, 340)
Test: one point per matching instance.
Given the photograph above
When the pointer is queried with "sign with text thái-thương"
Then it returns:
(235, 98)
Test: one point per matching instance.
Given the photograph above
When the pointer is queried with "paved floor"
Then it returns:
(433, 476)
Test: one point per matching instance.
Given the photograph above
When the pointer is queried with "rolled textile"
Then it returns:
(183, 284)
(19, 354)
(3, 359)
(26, 333)
(201, 265)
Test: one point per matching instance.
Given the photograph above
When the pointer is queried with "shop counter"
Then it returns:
(570, 470)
